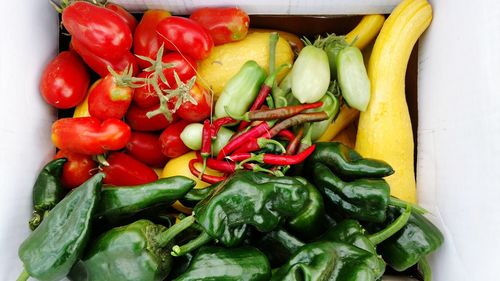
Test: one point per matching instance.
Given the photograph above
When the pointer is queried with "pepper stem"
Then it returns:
(263, 141)
(395, 226)
(165, 237)
(393, 201)
(425, 269)
(199, 241)
(273, 41)
(23, 276)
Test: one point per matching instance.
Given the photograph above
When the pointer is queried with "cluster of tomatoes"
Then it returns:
(121, 119)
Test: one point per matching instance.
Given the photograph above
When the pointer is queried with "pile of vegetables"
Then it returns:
(206, 151)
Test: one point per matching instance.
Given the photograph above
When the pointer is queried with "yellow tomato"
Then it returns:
(180, 167)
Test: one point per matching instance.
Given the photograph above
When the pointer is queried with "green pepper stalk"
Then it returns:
(47, 191)
(219, 263)
(58, 242)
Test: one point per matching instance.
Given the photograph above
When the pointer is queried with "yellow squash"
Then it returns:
(366, 30)
(384, 130)
(346, 116)
(226, 60)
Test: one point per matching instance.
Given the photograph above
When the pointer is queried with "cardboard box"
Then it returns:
(458, 129)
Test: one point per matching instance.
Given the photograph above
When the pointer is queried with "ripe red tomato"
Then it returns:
(101, 30)
(124, 14)
(100, 65)
(145, 147)
(64, 81)
(185, 36)
(196, 112)
(170, 140)
(224, 24)
(109, 100)
(124, 170)
(137, 119)
(78, 169)
(146, 42)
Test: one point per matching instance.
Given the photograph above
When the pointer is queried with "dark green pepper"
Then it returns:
(120, 202)
(361, 199)
(327, 260)
(196, 195)
(47, 191)
(417, 239)
(249, 198)
(218, 263)
(278, 246)
(311, 220)
(136, 252)
(58, 242)
(347, 163)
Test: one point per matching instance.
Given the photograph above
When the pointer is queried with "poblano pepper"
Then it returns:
(218, 263)
(58, 242)
(346, 163)
(47, 191)
(417, 239)
(278, 246)
(361, 199)
(139, 251)
(120, 202)
(327, 260)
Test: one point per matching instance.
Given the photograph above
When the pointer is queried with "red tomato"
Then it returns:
(100, 65)
(185, 36)
(64, 81)
(224, 24)
(170, 140)
(124, 170)
(196, 112)
(124, 14)
(101, 30)
(145, 147)
(137, 119)
(109, 100)
(185, 67)
(146, 42)
(78, 169)
(87, 135)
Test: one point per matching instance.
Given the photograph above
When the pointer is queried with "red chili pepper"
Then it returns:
(87, 135)
(219, 122)
(223, 166)
(273, 159)
(206, 143)
(124, 170)
(204, 177)
(242, 139)
(287, 134)
(293, 145)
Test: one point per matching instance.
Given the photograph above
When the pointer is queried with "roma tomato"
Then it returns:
(78, 169)
(64, 81)
(146, 42)
(145, 147)
(109, 98)
(100, 65)
(124, 170)
(138, 120)
(224, 24)
(87, 135)
(124, 14)
(101, 30)
(170, 140)
(199, 111)
(185, 36)
(185, 67)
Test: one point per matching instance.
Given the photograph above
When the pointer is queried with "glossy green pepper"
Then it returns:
(47, 191)
(58, 242)
(196, 195)
(136, 252)
(250, 198)
(311, 220)
(417, 239)
(278, 246)
(347, 163)
(327, 260)
(217, 263)
(121, 202)
(361, 199)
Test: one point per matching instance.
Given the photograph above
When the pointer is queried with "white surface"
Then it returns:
(459, 136)
(459, 133)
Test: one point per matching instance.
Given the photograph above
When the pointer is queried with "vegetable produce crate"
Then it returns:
(455, 111)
